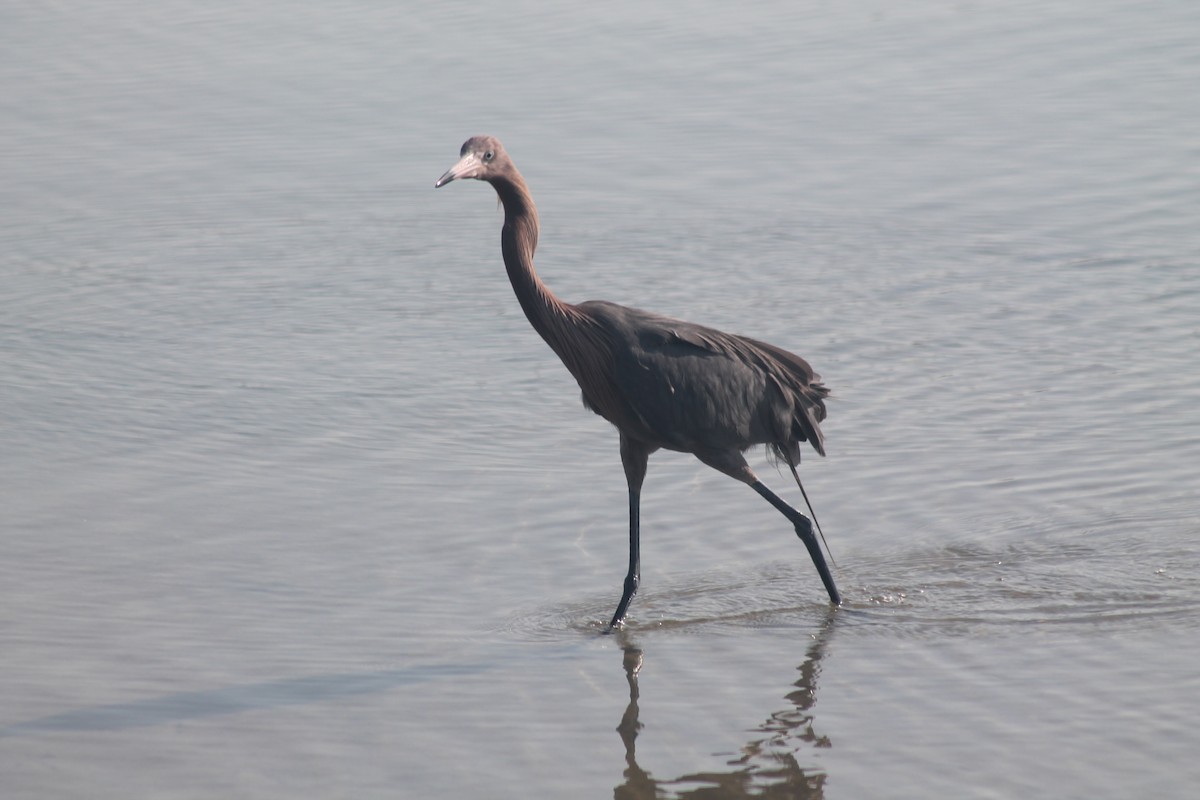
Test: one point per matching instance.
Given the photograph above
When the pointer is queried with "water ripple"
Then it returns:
(962, 589)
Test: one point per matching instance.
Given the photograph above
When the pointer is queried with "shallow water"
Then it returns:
(295, 503)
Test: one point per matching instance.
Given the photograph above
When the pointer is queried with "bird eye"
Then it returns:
(488, 156)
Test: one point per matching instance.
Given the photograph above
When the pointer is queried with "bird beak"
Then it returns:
(465, 168)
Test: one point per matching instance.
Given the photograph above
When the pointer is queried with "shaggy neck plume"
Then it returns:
(518, 241)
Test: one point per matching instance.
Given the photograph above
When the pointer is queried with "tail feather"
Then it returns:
(804, 494)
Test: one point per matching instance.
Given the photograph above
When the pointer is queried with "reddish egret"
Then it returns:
(662, 382)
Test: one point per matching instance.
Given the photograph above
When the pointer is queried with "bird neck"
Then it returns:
(572, 334)
(518, 241)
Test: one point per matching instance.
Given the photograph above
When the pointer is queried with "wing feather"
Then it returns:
(692, 387)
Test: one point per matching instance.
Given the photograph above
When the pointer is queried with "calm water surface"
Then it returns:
(294, 503)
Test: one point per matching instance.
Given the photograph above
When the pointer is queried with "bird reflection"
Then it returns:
(767, 766)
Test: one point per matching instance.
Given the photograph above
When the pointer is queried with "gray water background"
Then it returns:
(294, 503)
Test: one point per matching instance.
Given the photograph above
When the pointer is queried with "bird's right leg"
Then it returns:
(804, 530)
(733, 464)
(634, 457)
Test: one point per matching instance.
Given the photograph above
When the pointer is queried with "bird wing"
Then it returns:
(693, 388)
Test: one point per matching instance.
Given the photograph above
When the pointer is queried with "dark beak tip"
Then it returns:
(447, 176)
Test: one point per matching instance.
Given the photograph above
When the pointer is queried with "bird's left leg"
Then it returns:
(634, 457)
(733, 464)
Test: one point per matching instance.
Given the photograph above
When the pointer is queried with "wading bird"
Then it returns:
(662, 382)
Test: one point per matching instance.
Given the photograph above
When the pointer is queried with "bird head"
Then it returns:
(480, 158)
